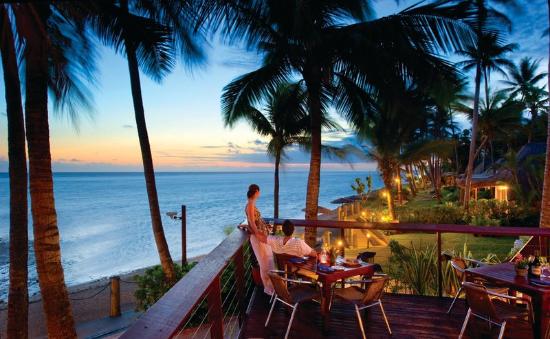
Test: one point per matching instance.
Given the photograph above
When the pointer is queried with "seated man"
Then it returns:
(287, 244)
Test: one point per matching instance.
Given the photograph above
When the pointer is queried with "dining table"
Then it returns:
(504, 275)
(328, 277)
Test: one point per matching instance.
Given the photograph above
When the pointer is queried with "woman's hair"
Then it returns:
(252, 189)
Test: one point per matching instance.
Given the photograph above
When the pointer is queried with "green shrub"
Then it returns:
(152, 285)
(450, 194)
(414, 268)
(438, 214)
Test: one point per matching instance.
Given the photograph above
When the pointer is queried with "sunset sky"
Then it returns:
(183, 113)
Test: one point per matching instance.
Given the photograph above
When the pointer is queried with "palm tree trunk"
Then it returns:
(314, 177)
(486, 80)
(472, 151)
(545, 203)
(410, 178)
(147, 158)
(57, 306)
(18, 298)
(386, 171)
(276, 186)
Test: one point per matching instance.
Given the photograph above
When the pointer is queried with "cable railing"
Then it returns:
(211, 301)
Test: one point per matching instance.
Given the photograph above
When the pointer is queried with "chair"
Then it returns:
(291, 296)
(459, 266)
(494, 311)
(365, 298)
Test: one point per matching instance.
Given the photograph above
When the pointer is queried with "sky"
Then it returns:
(183, 116)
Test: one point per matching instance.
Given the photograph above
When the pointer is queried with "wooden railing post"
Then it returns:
(183, 235)
(439, 269)
(240, 283)
(215, 312)
(115, 297)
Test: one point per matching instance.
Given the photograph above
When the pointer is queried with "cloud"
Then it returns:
(67, 160)
(258, 142)
(128, 126)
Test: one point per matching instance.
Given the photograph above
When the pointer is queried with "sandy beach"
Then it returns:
(90, 304)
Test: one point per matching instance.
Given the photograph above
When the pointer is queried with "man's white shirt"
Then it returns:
(294, 246)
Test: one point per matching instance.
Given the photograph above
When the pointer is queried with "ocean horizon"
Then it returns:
(105, 225)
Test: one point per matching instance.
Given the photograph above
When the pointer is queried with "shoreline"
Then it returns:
(97, 283)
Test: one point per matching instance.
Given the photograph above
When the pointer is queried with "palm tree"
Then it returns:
(18, 299)
(148, 33)
(58, 59)
(337, 52)
(500, 118)
(284, 122)
(545, 201)
(390, 122)
(487, 56)
(522, 81)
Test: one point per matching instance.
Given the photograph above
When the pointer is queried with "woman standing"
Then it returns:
(256, 226)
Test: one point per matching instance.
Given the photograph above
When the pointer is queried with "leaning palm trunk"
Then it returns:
(18, 299)
(314, 177)
(472, 151)
(276, 185)
(410, 178)
(545, 203)
(148, 169)
(435, 178)
(386, 170)
(57, 307)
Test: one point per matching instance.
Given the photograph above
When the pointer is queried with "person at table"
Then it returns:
(287, 244)
(258, 228)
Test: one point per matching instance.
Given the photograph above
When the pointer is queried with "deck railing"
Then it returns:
(211, 300)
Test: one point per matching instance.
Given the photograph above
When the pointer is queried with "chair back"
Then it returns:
(479, 301)
(367, 257)
(375, 289)
(281, 289)
(459, 267)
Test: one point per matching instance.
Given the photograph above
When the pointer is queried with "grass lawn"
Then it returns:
(479, 247)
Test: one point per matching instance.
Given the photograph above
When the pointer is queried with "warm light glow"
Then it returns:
(397, 180)
(363, 214)
(384, 194)
(340, 243)
(368, 234)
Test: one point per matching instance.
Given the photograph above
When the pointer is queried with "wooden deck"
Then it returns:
(409, 316)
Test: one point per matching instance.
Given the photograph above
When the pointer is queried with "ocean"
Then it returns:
(105, 225)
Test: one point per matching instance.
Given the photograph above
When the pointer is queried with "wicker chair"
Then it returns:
(291, 296)
(459, 266)
(365, 298)
(492, 310)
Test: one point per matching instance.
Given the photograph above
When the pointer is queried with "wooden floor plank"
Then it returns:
(409, 316)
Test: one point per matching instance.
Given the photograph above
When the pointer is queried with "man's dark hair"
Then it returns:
(288, 228)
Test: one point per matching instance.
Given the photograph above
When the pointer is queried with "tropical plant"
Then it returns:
(545, 202)
(486, 56)
(284, 121)
(149, 33)
(18, 297)
(152, 285)
(500, 119)
(391, 120)
(58, 58)
(522, 81)
(312, 40)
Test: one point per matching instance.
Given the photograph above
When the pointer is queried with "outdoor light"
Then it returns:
(397, 180)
